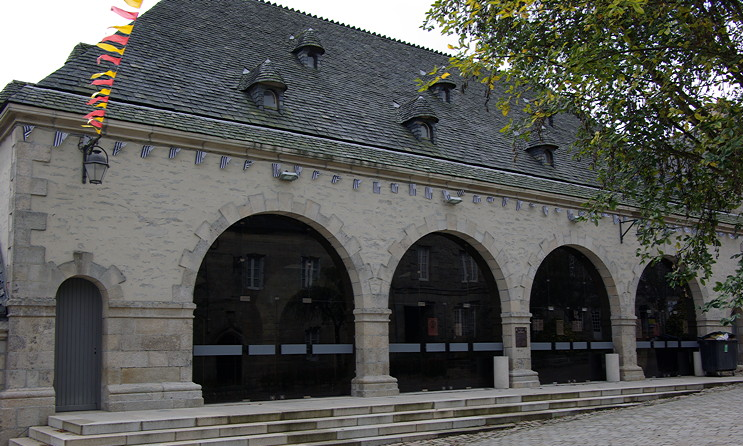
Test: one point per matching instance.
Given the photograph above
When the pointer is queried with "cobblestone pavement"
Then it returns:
(713, 417)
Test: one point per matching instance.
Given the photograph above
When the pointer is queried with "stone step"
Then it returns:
(318, 430)
(60, 437)
(175, 419)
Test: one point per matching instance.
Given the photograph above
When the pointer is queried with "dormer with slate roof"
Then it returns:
(443, 89)
(418, 116)
(265, 86)
(309, 49)
(544, 153)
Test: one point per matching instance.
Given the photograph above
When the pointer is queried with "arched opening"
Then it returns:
(445, 325)
(273, 315)
(77, 347)
(571, 319)
(270, 100)
(666, 324)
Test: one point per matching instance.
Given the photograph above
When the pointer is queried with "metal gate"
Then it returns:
(77, 351)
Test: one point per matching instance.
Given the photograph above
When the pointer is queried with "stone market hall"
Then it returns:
(285, 214)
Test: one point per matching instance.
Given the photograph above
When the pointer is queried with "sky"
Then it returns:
(36, 36)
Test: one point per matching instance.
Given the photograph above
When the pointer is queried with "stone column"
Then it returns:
(373, 353)
(517, 346)
(27, 398)
(624, 337)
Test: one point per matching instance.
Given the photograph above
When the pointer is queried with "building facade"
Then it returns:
(291, 217)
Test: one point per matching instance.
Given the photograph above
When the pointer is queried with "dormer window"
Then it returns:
(309, 49)
(544, 153)
(420, 119)
(270, 100)
(443, 90)
(264, 86)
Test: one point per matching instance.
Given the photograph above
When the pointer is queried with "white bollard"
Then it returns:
(612, 367)
(500, 372)
(697, 357)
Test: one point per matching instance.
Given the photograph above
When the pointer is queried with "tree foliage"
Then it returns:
(657, 88)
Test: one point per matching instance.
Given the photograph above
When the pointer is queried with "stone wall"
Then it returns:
(142, 234)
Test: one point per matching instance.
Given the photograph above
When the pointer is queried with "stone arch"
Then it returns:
(108, 280)
(699, 294)
(598, 255)
(468, 230)
(309, 212)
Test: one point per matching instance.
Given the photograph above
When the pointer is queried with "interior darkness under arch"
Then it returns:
(445, 325)
(571, 320)
(273, 316)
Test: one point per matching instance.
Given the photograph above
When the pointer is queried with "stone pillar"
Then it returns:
(624, 337)
(27, 398)
(517, 346)
(373, 354)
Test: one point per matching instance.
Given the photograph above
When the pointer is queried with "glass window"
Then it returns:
(253, 271)
(270, 101)
(424, 253)
(425, 132)
(310, 271)
(469, 268)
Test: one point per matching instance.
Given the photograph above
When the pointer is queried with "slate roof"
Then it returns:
(185, 63)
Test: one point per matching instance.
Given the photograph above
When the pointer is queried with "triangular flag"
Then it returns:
(125, 14)
(111, 48)
(124, 29)
(134, 3)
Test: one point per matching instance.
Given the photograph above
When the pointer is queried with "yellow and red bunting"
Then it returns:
(105, 79)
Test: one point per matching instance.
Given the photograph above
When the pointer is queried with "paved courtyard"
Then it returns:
(713, 417)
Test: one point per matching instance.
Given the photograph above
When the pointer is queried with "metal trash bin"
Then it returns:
(719, 351)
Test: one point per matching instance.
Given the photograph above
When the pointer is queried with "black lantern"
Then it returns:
(95, 161)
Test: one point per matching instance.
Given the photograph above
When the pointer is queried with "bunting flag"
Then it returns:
(118, 146)
(412, 189)
(356, 183)
(100, 98)
(247, 164)
(545, 210)
(490, 199)
(446, 194)
(335, 179)
(571, 215)
(224, 161)
(532, 205)
(558, 210)
(315, 174)
(173, 152)
(504, 202)
(126, 14)
(460, 193)
(298, 170)
(429, 192)
(276, 167)
(518, 204)
(59, 138)
(200, 155)
(476, 199)
(146, 150)
(394, 188)
(27, 129)
(376, 187)
(615, 219)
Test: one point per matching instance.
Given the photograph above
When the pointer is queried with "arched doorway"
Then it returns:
(445, 325)
(666, 324)
(273, 316)
(77, 348)
(571, 320)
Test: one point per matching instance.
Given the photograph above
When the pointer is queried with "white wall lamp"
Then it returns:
(95, 160)
(288, 176)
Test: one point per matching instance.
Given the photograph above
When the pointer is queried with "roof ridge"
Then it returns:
(336, 22)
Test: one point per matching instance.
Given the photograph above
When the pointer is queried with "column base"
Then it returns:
(167, 395)
(524, 378)
(370, 386)
(631, 373)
